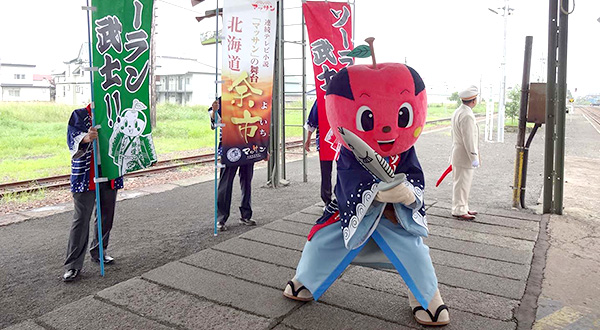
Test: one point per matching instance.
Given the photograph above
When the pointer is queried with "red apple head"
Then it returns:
(386, 107)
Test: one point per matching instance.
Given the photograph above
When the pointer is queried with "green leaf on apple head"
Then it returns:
(361, 51)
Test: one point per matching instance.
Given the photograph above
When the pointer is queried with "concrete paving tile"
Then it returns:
(290, 227)
(481, 304)
(282, 327)
(89, 313)
(307, 218)
(290, 241)
(318, 316)
(440, 205)
(503, 287)
(463, 321)
(479, 249)
(480, 265)
(243, 295)
(27, 325)
(394, 308)
(48, 210)
(490, 239)
(264, 252)
(158, 188)
(518, 233)
(175, 307)
(314, 210)
(381, 305)
(12, 218)
(456, 298)
(546, 307)
(243, 268)
(490, 219)
(525, 215)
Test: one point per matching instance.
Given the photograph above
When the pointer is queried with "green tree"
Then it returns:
(513, 102)
(456, 98)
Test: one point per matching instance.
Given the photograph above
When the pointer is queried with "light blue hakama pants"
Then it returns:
(325, 257)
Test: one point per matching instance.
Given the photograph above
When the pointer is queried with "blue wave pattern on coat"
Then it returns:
(81, 153)
(356, 189)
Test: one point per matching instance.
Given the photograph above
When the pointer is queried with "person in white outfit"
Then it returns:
(465, 153)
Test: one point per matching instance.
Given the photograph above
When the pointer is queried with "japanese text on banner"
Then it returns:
(120, 50)
(249, 43)
(329, 26)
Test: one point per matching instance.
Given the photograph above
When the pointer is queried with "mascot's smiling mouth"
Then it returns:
(386, 146)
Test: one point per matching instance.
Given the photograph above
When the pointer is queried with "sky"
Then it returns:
(452, 44)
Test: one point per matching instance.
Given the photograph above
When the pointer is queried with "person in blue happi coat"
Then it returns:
(226, 177)
(312, 125)
(80, 135)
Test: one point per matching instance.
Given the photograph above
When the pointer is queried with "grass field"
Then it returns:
(33, 135)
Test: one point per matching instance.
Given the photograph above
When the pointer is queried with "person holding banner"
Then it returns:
(312, 124)
(226, 176)
(80, 135)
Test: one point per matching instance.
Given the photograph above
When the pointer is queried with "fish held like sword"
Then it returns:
(372, 161)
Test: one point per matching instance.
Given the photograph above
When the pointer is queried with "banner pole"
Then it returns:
(95, 149)
(217, 126)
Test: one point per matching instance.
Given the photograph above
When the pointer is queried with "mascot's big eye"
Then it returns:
(405, 115)
(364, 119)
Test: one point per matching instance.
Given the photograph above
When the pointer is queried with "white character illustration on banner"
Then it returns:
(128, 147)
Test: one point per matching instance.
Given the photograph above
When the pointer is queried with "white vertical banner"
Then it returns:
(249, 28)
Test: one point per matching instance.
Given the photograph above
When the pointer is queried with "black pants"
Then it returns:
(85, 204)
(226, 187)
(326, 168)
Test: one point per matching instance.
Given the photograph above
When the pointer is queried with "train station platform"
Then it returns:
(506, 270)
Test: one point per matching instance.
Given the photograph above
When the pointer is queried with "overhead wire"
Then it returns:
(180, 7)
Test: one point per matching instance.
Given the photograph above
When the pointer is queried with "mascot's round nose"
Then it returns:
(386, 129)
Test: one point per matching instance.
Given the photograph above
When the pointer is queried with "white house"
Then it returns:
(184, 81)
(72, 82)
(17, 83)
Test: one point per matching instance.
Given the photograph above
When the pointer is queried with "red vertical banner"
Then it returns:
(329, 26)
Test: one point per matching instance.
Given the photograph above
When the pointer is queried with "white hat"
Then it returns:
(469, 93)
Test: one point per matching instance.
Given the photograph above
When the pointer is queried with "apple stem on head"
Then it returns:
(370, 40)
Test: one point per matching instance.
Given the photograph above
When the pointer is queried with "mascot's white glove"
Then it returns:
(399, 194)
(475, 163)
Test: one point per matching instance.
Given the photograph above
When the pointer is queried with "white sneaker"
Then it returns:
(221, 226)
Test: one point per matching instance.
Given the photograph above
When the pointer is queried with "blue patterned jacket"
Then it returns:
(81, 153)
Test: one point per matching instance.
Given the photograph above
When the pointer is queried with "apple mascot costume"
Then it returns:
(378, 218)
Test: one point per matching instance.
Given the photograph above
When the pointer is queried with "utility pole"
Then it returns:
(522, 150)
(549, 173)
(559, 159)
(558, 31)
(506, 11)
(153, 95)
(501, 106)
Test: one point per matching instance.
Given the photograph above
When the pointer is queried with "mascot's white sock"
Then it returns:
(423, 317)
(296, 290)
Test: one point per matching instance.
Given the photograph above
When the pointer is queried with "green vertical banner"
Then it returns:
(121, 52)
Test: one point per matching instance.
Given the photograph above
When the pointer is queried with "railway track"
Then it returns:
(592, 114)
(62, 181)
